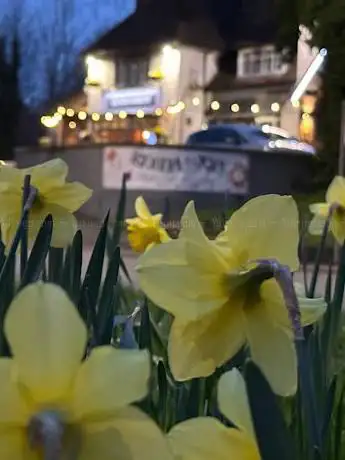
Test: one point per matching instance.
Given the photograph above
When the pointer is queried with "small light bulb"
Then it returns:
(82, 115)
(72, 124)
(255, 108)
(235, 108)
(215, 105)
(95, 116)
(122, 114)
(196, 101)
(109, 116)
(61, 110)
(275, 107)
(70, 112)
(140, 114)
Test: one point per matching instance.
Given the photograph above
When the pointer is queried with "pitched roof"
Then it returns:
(157, 21)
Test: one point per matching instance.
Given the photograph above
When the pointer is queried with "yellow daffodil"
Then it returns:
(335, 196)
(146, 229)
(217, 307)
(54, 196)
(206, 438)
(49, 394)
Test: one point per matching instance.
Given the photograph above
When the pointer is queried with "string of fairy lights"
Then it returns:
(52, 121)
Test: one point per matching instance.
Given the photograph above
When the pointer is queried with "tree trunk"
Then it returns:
(9, 102)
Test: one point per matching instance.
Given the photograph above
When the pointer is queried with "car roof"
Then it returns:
(239, 127)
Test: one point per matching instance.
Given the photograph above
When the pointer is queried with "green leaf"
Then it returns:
(55, 265)
(163, 389)
(36, 261)
(92, 281)
(108, 300)
(273, 437)
(125, 271)
(309, 401)
(145, 328)
(338, 428)
(73, 268)
(114, 240)
(320, 251)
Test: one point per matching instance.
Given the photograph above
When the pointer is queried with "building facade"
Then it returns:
(259, 90)
(148, 98)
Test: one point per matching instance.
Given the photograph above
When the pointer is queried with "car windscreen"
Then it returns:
(270, 136)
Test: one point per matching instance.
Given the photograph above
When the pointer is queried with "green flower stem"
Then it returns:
(15, 243)
(312, 287)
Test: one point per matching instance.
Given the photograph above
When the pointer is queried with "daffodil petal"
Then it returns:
(64, 224)
(11, 175)
(336, 191)
(10, 199)
(311, 310)
(273, 304)
(258, 228)
(131, 435)
(272, 348)
(233, 401)
(321, 209)
(47, 338)
(317, 225)
(69, 196)
(9, 225)
(164, 237)
(142, 209)
(49, 175)
(172, 284)
(110, 379)
(337, 227)
(197, 348)
(200, 251)
(205, 438)
(14, 410)
(14, 445)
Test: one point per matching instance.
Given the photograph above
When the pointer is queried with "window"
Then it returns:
(131, 72)
(215, 135)
(260, 62)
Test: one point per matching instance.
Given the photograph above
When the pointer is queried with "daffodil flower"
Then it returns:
(146, 229)
(51, 399)
(53, 196)
(335, 197)
(206, 438)
(217, 307)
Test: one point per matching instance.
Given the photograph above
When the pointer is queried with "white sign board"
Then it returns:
(131, 100)
(161, 168)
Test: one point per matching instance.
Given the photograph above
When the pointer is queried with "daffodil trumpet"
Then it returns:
(265, 270)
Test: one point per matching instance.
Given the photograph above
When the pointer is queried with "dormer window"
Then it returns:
(258, 62)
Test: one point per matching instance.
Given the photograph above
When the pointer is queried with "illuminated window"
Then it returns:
(307, 128)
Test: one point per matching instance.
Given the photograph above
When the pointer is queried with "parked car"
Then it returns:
(248, 136)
